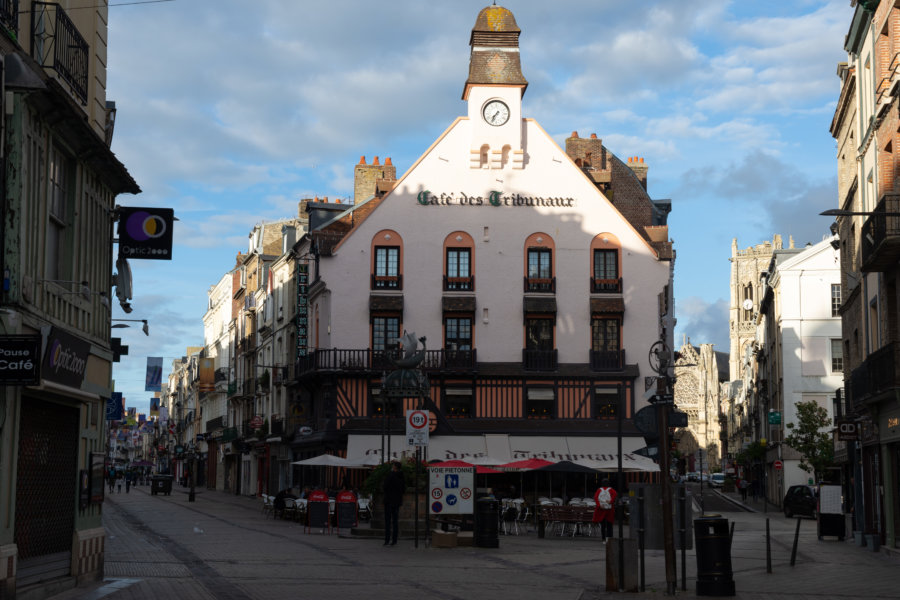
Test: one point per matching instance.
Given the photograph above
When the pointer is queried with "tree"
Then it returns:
(814, 445)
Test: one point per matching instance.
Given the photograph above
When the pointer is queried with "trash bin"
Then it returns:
(161, 484)
(713, 543)
(487, 523)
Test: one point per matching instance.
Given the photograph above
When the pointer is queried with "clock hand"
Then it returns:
(494, 118)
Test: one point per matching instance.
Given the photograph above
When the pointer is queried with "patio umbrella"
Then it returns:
(323, 460)
(529, 464)
(566, 466)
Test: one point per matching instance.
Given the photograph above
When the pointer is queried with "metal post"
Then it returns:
(666, 479)
(620, 489)
(643, 516)
(796, 539)
(768, 548)
(416, 501)
(682, 504)
(193, 471)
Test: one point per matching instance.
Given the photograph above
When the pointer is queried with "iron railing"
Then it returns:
(540, 284)
(606, 286)
(336, 359)
(607, 360)
(56, 44)
(880, 237)
(540, 360)
(9, 15)
(876, 375)
(387, 282)
(459, 284)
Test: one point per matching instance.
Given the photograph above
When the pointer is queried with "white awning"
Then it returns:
(495, 449)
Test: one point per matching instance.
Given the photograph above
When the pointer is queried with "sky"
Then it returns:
(230, 112)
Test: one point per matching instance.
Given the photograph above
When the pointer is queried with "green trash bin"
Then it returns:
(487, 523)
(161, 484)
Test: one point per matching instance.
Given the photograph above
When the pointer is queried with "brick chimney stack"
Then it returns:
(640, 169)
(367, 176)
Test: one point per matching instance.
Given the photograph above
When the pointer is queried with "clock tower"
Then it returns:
(494, 91)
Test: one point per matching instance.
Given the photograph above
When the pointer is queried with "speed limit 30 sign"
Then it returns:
(416, 428)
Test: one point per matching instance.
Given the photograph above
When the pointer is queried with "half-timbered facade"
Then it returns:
(539, 278)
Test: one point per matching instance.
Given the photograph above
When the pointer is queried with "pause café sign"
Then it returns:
(20, 360)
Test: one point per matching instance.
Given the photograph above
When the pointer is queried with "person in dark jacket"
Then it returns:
(394, 486)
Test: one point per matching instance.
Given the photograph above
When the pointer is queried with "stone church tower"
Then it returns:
(746, 267)
(698, 393)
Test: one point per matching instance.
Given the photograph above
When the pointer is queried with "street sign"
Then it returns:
(417, 428)
(778, 465)
(451, 490)
(774, 417)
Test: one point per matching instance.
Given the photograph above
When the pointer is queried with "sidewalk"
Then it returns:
(221, 546)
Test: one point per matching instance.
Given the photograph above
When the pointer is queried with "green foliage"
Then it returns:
(752, 453)
(375, 481)
(814, 445)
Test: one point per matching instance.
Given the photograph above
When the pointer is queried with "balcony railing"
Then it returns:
(459, 284)
(214, 424)
(540, 284)
(221, 374)
(881, 235)
(876, 375)
(379, 360)
(607, 360)
(606, 286)
(56, 44)
(9, 15)
(539, 360)
(387, 282)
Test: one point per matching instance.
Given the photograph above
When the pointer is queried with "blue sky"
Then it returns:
(231, 112)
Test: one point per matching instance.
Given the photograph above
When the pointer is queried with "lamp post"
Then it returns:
(119, 324)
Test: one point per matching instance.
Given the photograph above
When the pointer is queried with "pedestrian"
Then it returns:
(754, 489)
(743, 484)
(394, 486)
(604, 511)
(119, 482)
(128, 477)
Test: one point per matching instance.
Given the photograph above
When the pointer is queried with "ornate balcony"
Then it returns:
(540, 284)
(459, 284)
(607, 360)
(56, 44)
(881, 235)
(9, 15)
(876, 376)
(342, 360)
(540, 360)
(606, 286)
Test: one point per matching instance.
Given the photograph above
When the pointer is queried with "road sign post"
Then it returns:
(417, 427)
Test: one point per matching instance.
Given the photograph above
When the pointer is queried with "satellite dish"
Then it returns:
(123, 280)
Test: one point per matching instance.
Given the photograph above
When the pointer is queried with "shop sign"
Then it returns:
(65, 359)
(20, 360)
(145, 233)
(493, 198)
(847, 431)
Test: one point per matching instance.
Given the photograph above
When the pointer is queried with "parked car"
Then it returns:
(717, 479)
(693, 476)
(801, 500)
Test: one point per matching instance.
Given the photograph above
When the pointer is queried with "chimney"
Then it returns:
(366, 177)
(640, 169)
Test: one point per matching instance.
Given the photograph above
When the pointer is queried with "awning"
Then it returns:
(495, 449)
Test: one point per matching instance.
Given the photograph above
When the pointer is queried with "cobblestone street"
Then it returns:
(222, 546)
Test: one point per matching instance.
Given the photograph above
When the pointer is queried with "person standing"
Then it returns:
(128, 477)
(604, 511)
(394, 486)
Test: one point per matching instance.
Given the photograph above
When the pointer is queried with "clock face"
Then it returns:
(495, 113)
(748, 304)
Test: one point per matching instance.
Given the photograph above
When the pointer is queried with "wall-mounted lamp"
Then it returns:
(145, 328)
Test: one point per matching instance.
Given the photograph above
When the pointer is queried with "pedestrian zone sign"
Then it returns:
(451, 490)
(417, 428)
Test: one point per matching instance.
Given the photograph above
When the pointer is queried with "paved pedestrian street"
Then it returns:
(223, 546)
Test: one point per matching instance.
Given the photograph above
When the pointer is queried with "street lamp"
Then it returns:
(145, 328)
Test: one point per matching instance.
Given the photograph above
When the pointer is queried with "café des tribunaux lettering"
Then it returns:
(426, 198)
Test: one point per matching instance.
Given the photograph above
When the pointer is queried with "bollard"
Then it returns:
(641, 533)
(796, 539)
(768, 548)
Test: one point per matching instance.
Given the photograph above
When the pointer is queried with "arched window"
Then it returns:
(387, 261)
(606, 261)
(539, 263)
(459, 262)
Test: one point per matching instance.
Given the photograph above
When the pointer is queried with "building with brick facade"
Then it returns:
(865, 125)
(538, 278)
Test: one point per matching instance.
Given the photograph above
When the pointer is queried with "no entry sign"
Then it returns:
(416, 428)
(778, 465)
